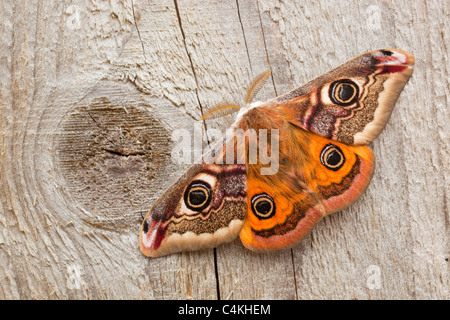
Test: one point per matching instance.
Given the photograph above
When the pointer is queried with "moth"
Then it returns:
(324, 164)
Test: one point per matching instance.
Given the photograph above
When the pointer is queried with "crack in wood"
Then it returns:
(204, 122)
(265, 49)
(138, 32)
(243, 34)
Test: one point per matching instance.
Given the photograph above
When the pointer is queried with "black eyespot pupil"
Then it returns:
(197, 197)
(346, 92)
(333, 158)
(263, 207)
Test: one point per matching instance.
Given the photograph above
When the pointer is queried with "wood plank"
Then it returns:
(91, 94)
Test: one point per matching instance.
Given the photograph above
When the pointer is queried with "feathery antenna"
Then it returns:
(219, 110)
(226, 108)
(255, 86)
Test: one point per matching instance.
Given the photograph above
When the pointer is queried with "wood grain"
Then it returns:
(90, 95)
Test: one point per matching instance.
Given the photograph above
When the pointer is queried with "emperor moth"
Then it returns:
(323, 128)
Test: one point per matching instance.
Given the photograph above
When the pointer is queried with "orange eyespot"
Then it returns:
(332, 157)
(344, 92)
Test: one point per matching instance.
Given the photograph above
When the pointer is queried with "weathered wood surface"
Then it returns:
(90, 94)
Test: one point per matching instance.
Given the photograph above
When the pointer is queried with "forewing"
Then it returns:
(204, 208)
(352, 103)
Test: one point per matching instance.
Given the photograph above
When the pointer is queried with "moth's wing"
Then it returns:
(321, 176)
(341, 172)
(353, 102)
(204, 208)
(281, 211)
